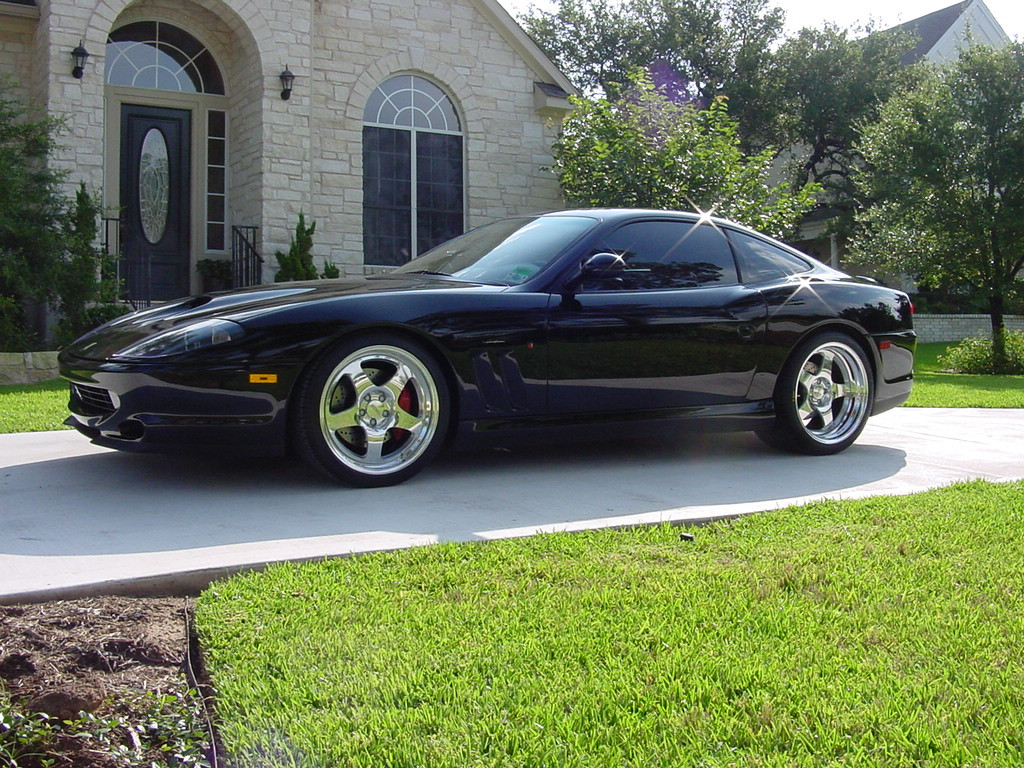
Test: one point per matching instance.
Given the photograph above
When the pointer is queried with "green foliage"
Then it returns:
(22, 736)
(594, 42)
(975, 355)
(864, 633)
(33, 212)
(48, 251)
(711, 47)
(944, 164)
(936, 387)
(214, 269)
(167, 727)
(830, 84)
(87, 285)
(14, 336)
(330, 271)
(297, 264)
(646, 150)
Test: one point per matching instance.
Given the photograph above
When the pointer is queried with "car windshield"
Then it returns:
(506, 252)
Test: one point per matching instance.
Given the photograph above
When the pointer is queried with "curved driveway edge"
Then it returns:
(79, 520)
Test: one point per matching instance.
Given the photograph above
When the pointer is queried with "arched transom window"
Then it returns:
(412, 170)
(152, 54)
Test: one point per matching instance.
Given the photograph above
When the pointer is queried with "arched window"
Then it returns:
(152, 54)
(412, 170)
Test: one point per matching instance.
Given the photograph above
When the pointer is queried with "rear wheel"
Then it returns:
(372, 411)
(823, 397)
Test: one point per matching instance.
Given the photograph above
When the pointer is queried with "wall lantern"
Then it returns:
(287, 78)
(79, 55)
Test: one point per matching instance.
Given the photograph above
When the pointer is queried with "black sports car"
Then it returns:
(576, 319)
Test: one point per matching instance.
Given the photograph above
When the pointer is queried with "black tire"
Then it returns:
(823, 397)
(372, 411)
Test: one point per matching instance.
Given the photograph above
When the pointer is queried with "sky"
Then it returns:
(885, 13)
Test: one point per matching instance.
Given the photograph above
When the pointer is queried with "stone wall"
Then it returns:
(304, 154)
(17, 30)
(27, 367)
(956, 327)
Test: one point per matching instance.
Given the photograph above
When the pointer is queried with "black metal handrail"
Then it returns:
(246, 262)
(133, 265)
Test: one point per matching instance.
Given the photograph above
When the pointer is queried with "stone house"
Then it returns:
(209, 125)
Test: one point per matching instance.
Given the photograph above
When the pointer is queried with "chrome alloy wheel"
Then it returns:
(832, 394)
(378, 410)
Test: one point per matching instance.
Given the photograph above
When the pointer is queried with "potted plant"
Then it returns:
(216, 274)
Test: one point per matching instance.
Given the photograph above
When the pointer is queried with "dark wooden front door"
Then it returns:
(155, 201)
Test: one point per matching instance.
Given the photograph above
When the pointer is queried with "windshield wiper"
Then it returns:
(426, 272)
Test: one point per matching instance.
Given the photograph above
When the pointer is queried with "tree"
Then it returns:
(297, 263)
(48, 241)
(86, 289)
(33, 212)
(830, 85)
(647, 150)
(711, 47)
(944, 163)
(594, 42)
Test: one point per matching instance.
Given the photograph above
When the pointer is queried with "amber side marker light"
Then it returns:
(263, 378)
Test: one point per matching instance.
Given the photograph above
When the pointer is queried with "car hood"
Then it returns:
(249, 304)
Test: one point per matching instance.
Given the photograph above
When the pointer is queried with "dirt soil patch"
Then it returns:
(110, 657)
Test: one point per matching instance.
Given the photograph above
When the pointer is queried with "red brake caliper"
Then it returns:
(406, 402)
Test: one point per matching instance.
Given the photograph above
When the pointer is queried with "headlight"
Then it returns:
(189, 338)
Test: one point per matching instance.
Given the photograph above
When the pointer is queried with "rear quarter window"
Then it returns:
(759, 261)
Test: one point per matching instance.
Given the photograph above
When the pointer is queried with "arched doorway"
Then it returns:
(166, 153)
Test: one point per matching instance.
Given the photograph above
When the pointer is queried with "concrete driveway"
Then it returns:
(76, 519)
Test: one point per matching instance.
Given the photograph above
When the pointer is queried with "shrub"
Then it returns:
(297, 264)
(974, 355)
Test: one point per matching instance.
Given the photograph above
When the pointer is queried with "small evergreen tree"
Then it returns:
(87, 285)
(33, 212)
(297, 264)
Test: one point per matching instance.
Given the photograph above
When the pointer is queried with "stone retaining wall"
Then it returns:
(956, 327)
(27, 367)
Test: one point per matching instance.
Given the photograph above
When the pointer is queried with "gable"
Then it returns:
(524, 45)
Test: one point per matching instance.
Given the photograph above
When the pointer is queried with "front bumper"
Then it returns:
(176, 409)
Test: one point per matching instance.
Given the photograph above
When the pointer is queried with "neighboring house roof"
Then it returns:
(940, 33)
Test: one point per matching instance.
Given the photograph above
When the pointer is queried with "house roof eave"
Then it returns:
(524, 45)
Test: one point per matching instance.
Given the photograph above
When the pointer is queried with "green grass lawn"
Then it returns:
(33, 407)
(934, 388)
(881, 632)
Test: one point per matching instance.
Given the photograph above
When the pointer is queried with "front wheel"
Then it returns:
(823, 397)
(372, 411)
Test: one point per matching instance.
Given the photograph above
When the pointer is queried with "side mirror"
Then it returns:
(600, 265)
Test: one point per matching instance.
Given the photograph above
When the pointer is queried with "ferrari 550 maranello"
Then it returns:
(560, 321)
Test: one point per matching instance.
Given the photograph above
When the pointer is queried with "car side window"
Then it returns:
(761, 261)
(667, 254)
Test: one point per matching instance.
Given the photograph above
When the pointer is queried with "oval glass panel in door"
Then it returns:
(154, 185)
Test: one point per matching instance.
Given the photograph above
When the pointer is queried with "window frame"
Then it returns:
(413, 160)
(600, 247)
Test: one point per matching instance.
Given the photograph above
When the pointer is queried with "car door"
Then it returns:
(674, 329)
